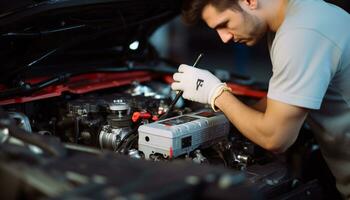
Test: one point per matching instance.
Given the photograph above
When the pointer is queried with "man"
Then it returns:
(309, 43)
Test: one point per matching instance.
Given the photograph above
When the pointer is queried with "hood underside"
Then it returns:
(35, 34)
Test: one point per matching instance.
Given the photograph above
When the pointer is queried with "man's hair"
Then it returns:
(192, 9)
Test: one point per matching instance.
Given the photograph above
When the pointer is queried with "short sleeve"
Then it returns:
(304, 63)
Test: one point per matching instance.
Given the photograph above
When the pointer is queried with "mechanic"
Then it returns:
(309, 44)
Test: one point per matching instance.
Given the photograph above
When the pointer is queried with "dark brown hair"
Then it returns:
(192, 9)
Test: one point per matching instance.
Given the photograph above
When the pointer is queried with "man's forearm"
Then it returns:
(249, 121)
(256, 125)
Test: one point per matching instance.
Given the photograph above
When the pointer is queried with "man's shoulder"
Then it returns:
(315, 16)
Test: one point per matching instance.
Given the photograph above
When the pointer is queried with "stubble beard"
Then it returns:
(255, 28)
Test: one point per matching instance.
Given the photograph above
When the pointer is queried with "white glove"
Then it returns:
(197, 84)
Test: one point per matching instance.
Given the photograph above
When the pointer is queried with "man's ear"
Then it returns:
(252, 4)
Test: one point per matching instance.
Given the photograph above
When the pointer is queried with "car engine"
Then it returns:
(124, 120)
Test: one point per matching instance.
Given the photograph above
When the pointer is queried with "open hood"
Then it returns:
(75, 33)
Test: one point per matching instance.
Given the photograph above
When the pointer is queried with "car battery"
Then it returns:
(182, 134)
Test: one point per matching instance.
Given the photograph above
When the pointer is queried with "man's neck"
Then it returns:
(275, 13)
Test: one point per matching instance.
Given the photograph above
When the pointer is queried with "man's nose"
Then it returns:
(224, 35)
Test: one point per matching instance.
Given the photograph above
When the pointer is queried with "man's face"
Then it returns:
(234, 25)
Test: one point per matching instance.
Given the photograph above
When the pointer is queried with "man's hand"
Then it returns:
(197, 84)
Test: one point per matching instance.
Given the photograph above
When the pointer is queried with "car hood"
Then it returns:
(74, 33)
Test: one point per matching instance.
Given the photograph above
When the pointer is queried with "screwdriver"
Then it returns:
(179, 94)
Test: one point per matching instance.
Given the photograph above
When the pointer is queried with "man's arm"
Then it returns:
(275, 129)
(260, 105)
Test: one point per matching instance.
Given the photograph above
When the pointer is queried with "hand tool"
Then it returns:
(179, 94)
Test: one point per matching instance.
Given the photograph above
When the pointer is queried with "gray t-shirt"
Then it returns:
(310, 55)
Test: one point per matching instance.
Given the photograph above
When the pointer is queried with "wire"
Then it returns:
(129, 142)
(124, 140)
(42, 33)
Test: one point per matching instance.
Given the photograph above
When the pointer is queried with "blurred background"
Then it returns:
(183, 43)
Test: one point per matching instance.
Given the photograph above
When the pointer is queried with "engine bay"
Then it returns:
(113, 122)
(126, 121)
